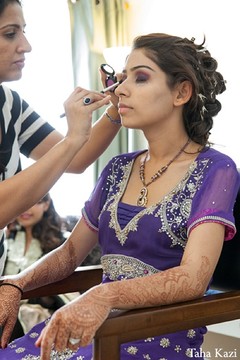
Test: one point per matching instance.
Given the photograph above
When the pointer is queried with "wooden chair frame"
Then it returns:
(147, 322)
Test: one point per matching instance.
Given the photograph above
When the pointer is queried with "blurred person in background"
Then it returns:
(33, 234)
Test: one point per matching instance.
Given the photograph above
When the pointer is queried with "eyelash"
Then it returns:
(140, 78)
(11, 35)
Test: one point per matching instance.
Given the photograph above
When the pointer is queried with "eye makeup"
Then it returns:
(141, 76)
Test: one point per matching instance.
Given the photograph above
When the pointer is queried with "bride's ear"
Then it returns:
(183, 93)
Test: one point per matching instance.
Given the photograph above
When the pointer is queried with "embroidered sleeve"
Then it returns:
(215, 200)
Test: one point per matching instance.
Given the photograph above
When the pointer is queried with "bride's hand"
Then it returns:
(73, 325)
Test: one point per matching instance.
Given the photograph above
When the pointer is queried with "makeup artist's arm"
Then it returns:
(32, 183)
(103, 132)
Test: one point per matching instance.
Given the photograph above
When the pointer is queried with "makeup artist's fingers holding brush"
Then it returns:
(79, 108)
(103, 76)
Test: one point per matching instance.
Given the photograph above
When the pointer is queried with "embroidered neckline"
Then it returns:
(132, 225)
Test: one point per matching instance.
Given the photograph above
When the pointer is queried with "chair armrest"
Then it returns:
(149, 322)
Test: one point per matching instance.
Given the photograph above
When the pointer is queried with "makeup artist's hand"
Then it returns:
(79, 108)
(114, 98)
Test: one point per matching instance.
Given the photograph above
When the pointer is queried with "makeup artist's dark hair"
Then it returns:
(5, 3)
(181, 59)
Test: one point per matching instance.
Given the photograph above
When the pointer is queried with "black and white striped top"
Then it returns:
(22, 130)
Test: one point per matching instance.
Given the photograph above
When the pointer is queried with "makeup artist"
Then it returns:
(161, 214)
(22, 130)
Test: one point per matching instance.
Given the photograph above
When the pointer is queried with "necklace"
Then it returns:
(142, 199)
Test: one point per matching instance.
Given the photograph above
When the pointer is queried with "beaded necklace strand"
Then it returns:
(142, 200)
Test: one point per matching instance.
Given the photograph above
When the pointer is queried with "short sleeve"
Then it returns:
(107, 185)
(96, 201)
(215, 201)
(33, 129)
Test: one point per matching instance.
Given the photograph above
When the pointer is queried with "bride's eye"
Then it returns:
(140, 77)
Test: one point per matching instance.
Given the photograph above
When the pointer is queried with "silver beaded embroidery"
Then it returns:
(216, 219)
(120, 267)
(174, 223)
(55, 355)
(132, 350)
(165, 342)
(167, 210)
(191, 333)
(112, 204)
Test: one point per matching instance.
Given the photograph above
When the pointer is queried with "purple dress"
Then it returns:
(139, 241)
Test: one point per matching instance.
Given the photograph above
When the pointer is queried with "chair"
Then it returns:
(227, 272)
(141, 323)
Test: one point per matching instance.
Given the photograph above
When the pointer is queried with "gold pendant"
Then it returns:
(142, 199)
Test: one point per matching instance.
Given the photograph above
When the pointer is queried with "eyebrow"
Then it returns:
(139, 67)
(12, 25)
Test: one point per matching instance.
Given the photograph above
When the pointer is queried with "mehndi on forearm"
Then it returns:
(52, 267)
(170, 286)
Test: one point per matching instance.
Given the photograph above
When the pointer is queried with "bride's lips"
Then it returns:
(123, 108)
